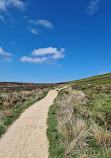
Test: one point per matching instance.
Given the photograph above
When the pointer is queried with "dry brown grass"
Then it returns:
(79, 133)
(10, 101)
(73, 129)
(103, 137)
(13, 104)
(84, 156)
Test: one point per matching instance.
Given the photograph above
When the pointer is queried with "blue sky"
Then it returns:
(54, 40)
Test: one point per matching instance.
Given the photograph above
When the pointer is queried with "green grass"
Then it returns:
(98, 93)
(95, 80)
(15, 113)
(55, 148)
(104, 76)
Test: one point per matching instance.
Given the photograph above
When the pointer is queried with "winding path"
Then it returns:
(26, 138)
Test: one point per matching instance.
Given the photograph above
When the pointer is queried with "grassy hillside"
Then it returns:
(81, 117)
(100, 79)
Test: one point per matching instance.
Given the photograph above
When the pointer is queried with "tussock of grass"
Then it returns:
(102, 137)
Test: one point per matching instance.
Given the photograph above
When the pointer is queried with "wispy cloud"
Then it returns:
(2, 52)
(6, 60)
(5, 56)
(93, 7)
(42, 22)
(58, 56)
(5, 4)
(2, 18)
(33, 60)
(33, 30)
(36, 25)
(47, 55)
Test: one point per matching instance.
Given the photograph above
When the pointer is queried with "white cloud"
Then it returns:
(47, 51)
(5, 4)
(58, 56)
(33, 30)
(93, 7)
(46, 55)
(33, 60)
(2, 52)
(43, 22)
